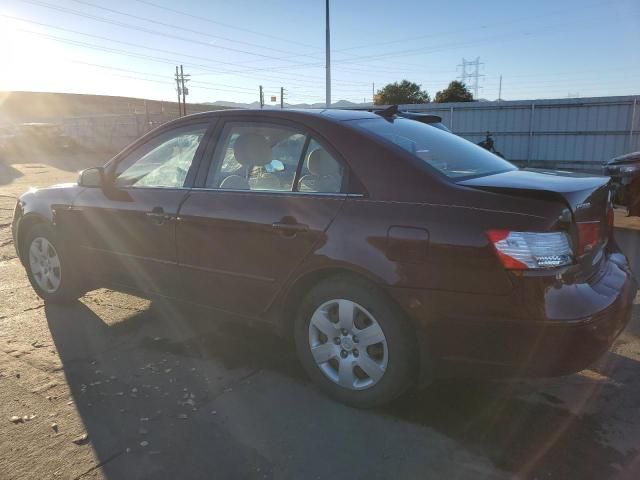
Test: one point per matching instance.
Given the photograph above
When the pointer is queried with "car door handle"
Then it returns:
(290, 227)
(158, 216)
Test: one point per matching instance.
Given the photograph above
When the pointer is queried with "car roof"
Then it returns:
(326, 113)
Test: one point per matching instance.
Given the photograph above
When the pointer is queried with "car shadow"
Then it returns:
(526, 428)
(7, 172)
(148, 378)
(629, 242)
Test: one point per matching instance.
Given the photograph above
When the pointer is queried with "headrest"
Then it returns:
(321, 163)
(252, 150)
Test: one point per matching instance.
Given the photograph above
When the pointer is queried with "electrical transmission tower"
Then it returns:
(471, 70)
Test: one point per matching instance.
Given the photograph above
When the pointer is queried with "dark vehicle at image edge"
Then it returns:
(391, 251)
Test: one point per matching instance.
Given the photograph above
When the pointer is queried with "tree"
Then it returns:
(455, 92)
(405, 92)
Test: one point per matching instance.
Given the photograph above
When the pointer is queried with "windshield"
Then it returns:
(449, 154)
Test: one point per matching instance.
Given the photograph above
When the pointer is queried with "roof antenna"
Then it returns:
(387, 112)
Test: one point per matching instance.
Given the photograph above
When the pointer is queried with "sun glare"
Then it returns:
(31, 58)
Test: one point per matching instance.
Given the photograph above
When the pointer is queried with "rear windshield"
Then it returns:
(451, 155)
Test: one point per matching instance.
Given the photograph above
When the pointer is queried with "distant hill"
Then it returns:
(16, 107)
(338, 104)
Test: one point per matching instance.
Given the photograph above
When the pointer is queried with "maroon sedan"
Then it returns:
(391, 251)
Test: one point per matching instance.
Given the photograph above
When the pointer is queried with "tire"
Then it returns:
(395, 357)
(63, 284)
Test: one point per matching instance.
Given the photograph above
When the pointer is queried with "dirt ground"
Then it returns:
(117, 387)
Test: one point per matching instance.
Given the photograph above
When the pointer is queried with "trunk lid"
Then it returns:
(586, 196)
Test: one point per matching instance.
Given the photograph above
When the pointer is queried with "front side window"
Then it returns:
(451, 155)
(254, 156)
(163, 161)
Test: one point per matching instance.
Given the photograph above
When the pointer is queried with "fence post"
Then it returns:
(633, 121)
(451, 121)
(529, 144)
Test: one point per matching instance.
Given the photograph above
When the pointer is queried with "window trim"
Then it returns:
(280, 192)
(208, 161)
(303, 154)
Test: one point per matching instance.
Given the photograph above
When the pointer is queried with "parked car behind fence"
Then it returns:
(625, 173)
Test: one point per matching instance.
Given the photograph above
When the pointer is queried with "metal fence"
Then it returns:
(577, 133)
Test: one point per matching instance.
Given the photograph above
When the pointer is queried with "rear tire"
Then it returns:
(50, 272)
(364, 362)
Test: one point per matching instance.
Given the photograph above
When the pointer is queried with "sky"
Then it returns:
(542, 49)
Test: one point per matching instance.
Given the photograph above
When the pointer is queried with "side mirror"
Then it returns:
(274, 166)
(91, 177)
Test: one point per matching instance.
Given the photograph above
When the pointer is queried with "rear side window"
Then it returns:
(256, 157)
(451, 155)
(320, 171)
(271, 157)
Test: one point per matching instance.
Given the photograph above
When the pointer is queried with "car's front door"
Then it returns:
(246, 228)
(126, 231)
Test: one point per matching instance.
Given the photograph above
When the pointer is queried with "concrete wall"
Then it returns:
(577, 133)
(111, 133)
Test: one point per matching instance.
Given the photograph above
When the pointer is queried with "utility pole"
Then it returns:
(475, 74)
(500, 90)
(281, 98)
(328, 58)
(373, 93)
(179, 90)
(261, 97)
(185, 91)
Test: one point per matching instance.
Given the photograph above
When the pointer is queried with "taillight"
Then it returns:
(588, 236)
(530, 250)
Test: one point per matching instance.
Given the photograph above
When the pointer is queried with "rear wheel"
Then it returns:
(355, 343)
(49, 270)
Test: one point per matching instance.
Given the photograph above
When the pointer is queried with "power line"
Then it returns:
(430, 35)
(231, 88)
(142, 29)
(216, 71)
(215, 22)
(371, 57)
(183, 28)
(135, 45)
(297, 65)
(446, 46)
(144, 56)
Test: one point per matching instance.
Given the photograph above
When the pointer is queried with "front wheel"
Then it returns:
(354, 343)
(50, 272)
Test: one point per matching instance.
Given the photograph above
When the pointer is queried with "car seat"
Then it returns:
(324, 173)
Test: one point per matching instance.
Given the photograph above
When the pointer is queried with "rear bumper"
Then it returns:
(481, 346)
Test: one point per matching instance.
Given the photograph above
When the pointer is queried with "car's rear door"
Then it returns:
(246, 226)
(126, 232)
